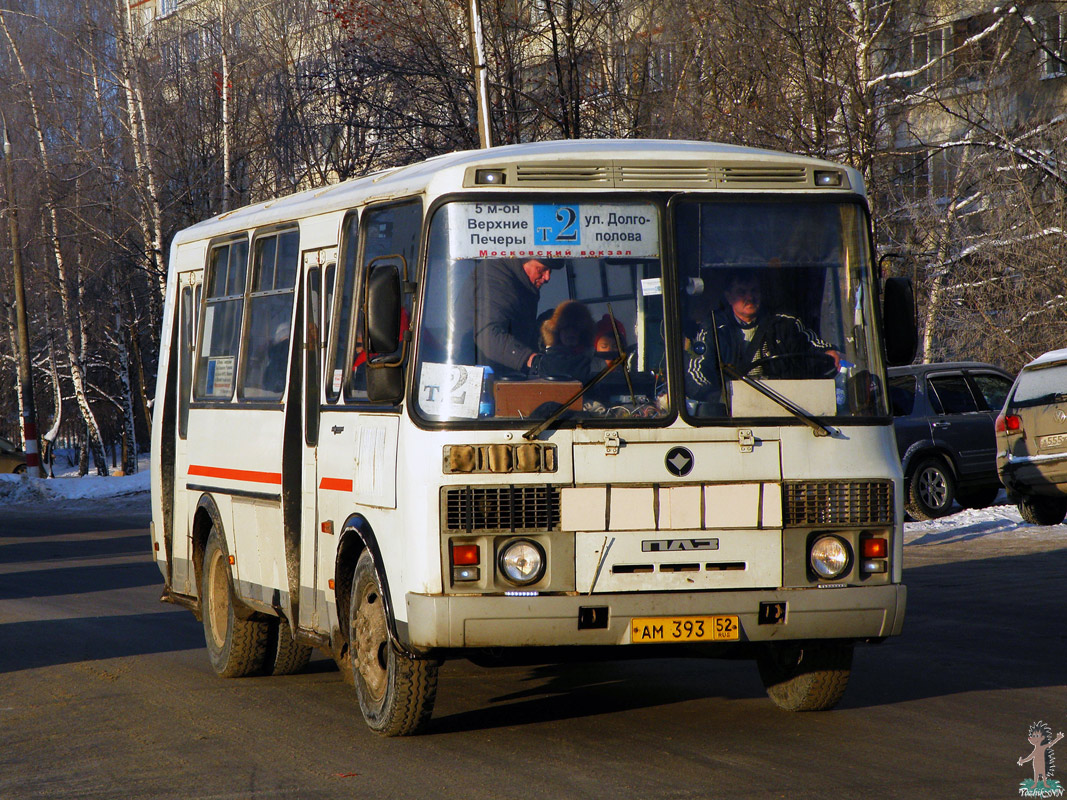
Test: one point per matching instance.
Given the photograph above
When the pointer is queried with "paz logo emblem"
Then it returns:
(679, 461)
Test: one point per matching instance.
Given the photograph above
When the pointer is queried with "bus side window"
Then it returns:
(338, 360)
(270, 315)
(387, 231)
(220, 333)
(312, 356)
(185, 358)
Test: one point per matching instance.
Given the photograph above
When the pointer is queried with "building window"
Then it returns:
(931, 54)
(913, 175)
(167, 7)
(1053, 33)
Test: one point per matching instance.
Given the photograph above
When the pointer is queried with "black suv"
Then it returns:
(944, 417)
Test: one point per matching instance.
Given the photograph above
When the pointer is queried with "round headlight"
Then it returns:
(522, 562)
(829, 556)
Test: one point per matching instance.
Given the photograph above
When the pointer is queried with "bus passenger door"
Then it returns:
(312, 606)
(189, 289)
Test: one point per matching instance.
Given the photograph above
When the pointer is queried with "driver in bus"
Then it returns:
(753, 341)
(500, 309)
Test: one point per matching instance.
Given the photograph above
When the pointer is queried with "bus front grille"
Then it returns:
(501, 508)
(838, 503)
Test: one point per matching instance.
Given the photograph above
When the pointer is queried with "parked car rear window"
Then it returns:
(994, 389)
(1039, 386)
(953, 395)
(902, 394)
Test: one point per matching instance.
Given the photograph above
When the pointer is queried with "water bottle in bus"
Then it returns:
(844, 372)
(486, 407)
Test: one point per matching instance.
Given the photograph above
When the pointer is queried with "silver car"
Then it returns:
(1032, 440)
(12, 459)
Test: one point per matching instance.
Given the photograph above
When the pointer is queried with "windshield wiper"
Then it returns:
(542, 426)
(816, 426)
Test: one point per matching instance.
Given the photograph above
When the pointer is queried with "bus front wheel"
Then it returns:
(236, 646)
(805, 676)
(396, 692)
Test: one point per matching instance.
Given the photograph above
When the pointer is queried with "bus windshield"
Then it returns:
(526, 302)
(776, 295)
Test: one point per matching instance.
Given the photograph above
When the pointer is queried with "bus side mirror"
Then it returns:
(383, 309)
(385, 333)
(898, 315)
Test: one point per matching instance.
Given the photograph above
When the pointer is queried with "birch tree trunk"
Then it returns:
(151, 216)
(129, 428)
(71, 322)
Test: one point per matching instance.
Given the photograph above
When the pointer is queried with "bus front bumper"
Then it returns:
(459, 621)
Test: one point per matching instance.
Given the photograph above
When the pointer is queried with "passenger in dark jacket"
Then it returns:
(749, 338)
(500, 308)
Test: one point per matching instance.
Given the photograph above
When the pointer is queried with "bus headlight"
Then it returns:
(522, 562)
(829, 556)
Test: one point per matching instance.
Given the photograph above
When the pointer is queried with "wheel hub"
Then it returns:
(218, 602)
(932, 488)
(371, 642)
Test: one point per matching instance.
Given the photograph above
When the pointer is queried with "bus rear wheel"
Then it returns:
(805, 676)
(236, 647)
(396, 692)
(284, 655)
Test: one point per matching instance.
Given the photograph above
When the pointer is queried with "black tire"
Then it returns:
(396, 692)
(808, 676)
(931, 490)
(236, 647)
(1039, 510)
(20, 469)
(284, 655)
(978, 498)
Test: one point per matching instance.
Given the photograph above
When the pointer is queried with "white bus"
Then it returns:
(555, 396)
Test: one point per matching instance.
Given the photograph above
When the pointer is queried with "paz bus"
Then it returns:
(343, 459)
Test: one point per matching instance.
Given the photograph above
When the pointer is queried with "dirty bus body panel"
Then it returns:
(505, 399)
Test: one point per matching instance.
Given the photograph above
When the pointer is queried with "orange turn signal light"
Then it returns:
(875, 548)
(465, 554)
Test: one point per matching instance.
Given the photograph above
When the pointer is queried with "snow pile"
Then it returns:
(67, 486)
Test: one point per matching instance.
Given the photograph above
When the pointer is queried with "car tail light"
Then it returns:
(1009, 423)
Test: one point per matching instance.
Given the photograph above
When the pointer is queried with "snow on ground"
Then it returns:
(966, 524)
(67, 487)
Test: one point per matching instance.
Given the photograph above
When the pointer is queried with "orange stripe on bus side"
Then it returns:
(337, 484)
(236, 474)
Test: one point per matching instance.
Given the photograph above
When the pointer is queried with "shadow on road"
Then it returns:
(51, 549)
(572, 690)
(77, 580)
(32, 645)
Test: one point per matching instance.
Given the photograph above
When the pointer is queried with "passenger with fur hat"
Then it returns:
(569, 340)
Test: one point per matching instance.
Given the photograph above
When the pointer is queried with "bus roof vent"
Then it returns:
(769, 176)
(554, 174)
(665, 175)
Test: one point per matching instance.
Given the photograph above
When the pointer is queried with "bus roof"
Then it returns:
(571, 163)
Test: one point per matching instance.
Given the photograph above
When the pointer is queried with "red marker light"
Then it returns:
(875, 548)
(465, 554)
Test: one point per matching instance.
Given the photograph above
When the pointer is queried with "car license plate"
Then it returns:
(722, 628)
(1056, 440)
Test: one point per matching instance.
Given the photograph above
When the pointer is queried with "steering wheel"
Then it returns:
(819, 364)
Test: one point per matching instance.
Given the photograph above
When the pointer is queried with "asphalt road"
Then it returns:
(107, 693)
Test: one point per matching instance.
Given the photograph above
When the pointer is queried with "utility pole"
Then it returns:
(481, 85)
(29, 410)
